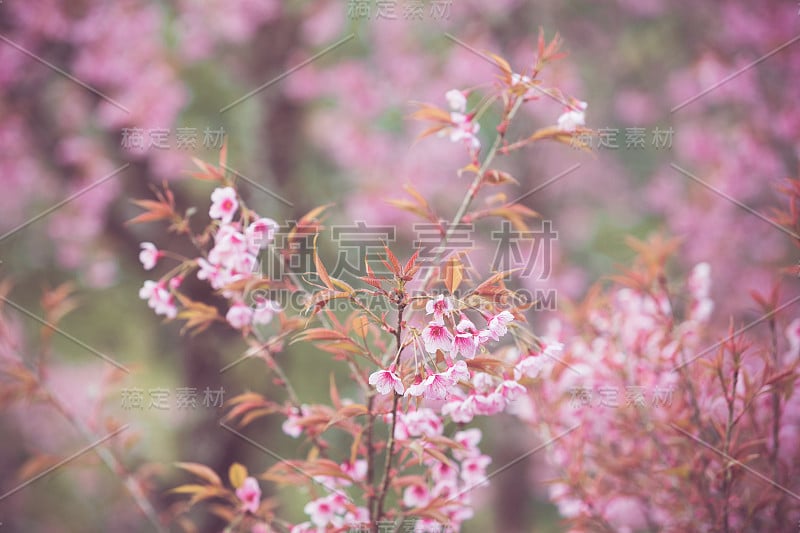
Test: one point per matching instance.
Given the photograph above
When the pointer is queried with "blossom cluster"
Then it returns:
(731, 403)
(463, 126)
(448, 484)
(231, 261)
(457, 392)
(456, 355)
(486, 394)
(448, 370)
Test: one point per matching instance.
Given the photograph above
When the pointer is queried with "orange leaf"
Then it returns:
(198, 316)
(348, 411)
(502, 63)
(255, 414)
(201, 471)
(431, 113)
(188, 489)
(223, 154)
(321, 270)
(407, 205)
(453, 274)
(335, 399)
(498, 177)
(207, 172)
(237, 473)
(361, 326)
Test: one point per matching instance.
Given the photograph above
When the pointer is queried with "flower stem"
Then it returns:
(727, 481)
(390, 444)
(476, 182)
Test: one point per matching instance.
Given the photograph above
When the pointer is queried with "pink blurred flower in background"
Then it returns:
(250, 494)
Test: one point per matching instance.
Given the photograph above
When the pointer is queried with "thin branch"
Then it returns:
(390, 445)
(110, 460)
(473, 189)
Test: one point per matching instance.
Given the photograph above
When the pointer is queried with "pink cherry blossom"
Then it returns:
(466, 340)
(699, 282)
(439, 307)
(473, 470)
(573, 117)
(243, 266)
(510, 390)
(464, 129)
(250, 494)
(321, 511)
(483, 382)
(701, 310)
(159, 298)
(626, 513)
(447, 487)
(416, 495)
(291, 426)
(523, 81)
(357, 471)
(223, 204)
(699, 285)
(149, 255)
(207, 271)
(228, 261)
(437, 386)
(261, 233)
(460, 410)
(229, 245)
(459, 513)
(469, 439)
(147, 290)
(489, 404)
(530, 366)
(441, 471)
(498, 326)
(436, 336)
(465, 325)
(356, 519)
(456, 100)
(568, 507)
(417, 388)
(457, 372)
(239, 315)
(386, 380)
(422, 422)
(552, 349)
(519, 79)
(427, 525)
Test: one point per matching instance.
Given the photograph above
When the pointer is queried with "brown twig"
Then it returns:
(401, 306)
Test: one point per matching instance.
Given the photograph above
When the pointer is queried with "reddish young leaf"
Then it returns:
(321, 270)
